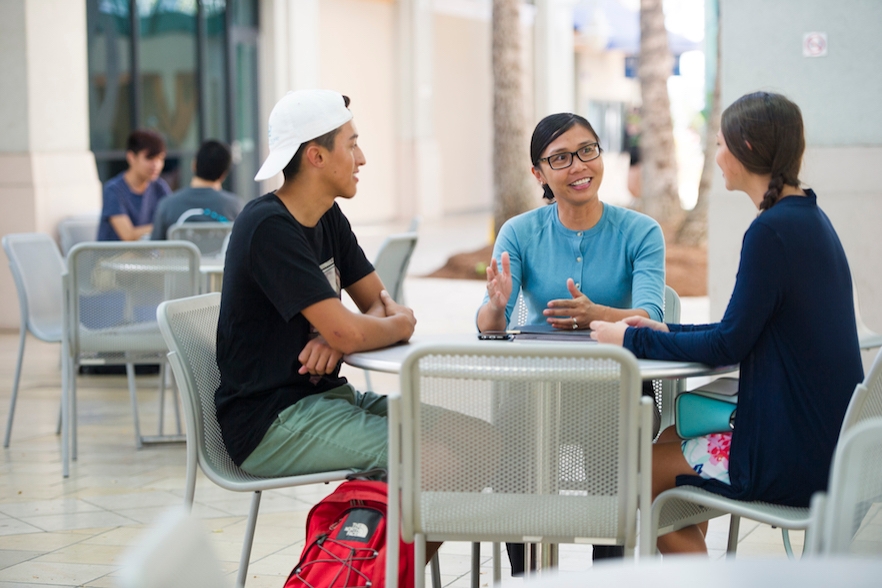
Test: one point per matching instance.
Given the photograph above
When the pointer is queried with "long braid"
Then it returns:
(773, 194)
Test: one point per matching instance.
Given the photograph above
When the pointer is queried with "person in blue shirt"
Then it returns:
(577, 259)
(790, 325)
(131, 197)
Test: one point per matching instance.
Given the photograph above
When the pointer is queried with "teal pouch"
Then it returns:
(702, 412)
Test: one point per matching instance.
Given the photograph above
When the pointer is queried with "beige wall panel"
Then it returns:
(14, 76)
(57, 75)
(464, 113)
(356, 48)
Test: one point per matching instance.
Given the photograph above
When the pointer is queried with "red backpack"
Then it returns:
(346, 541)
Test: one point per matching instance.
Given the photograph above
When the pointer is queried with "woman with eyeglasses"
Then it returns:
(577, 259)
(790, 325)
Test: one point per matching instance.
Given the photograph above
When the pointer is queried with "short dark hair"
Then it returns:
(764, 132)
(145, 140)
(550, 128)
(326, 141)
(212, 160)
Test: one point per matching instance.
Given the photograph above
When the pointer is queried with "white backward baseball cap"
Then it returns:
(299, 117)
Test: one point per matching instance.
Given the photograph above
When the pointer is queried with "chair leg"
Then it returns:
(65, 413)
(497, 563)
(72, 417)
(476, 565)
(15, 380)
(419, 554)
(176, 400)
(788, 549)
(58, 424)
(734, 525)
(133, 395)
(160, 430)
(435, 564)
(249, 540)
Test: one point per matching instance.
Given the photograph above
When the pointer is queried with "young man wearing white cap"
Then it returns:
(282, 407)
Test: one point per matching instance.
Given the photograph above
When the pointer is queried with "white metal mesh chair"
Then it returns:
(392, 261)
(665, 390)
(687, 505)
(868, 338)
(391, 264)
(848, 515)
(556, 457)
(77, 229)
(36, 267)
(111, 292)
(207, 236)
(189, 327)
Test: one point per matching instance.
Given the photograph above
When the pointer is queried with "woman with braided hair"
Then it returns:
(789, 324)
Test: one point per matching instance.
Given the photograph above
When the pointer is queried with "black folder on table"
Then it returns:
(548, 333)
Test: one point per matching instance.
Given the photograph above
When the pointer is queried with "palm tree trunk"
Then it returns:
(660, 194)
(513, 190)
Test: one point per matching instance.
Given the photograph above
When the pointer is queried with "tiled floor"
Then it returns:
(74, 532)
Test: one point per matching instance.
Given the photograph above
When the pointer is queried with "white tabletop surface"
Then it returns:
(681, 572)
(389, 359)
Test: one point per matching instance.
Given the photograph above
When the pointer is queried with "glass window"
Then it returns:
(110, 81)
(186, 68)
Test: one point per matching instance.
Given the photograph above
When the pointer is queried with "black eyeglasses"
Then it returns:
(565, 160)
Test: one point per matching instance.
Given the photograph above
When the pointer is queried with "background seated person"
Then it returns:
(204, 200)
(131, 197)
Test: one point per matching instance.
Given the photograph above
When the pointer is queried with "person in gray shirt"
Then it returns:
(204, 200)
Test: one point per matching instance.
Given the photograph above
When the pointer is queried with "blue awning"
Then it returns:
(620, 25)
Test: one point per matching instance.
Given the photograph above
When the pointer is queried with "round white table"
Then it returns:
(389, 359)
(677, 572)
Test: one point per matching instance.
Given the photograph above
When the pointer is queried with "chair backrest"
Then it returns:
(538, 440)
(189, 327)
(867, 338)
(77, 229)
(866, 401)
(671, 311)
(851, 510)
(207, 236)
(37, 267)
(112, 290)
(392, 261)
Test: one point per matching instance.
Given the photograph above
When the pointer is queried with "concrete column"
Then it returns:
(289, 49)
(47, 171)
(554, 57)
(303, 29)
(419, 162)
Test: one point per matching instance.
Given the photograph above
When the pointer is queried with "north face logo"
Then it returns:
(359, 530)
(360, 525)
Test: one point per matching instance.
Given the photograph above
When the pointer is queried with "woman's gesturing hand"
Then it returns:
(571, 313)
(499, 282)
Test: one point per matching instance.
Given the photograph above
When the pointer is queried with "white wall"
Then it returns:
(46, 169)
(839, 97)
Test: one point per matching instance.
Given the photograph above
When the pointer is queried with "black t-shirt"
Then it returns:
(275, 267)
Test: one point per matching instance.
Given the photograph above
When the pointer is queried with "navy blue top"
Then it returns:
(119, 199)
(790, 324)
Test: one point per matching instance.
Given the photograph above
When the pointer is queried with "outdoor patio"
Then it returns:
(74, 532)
